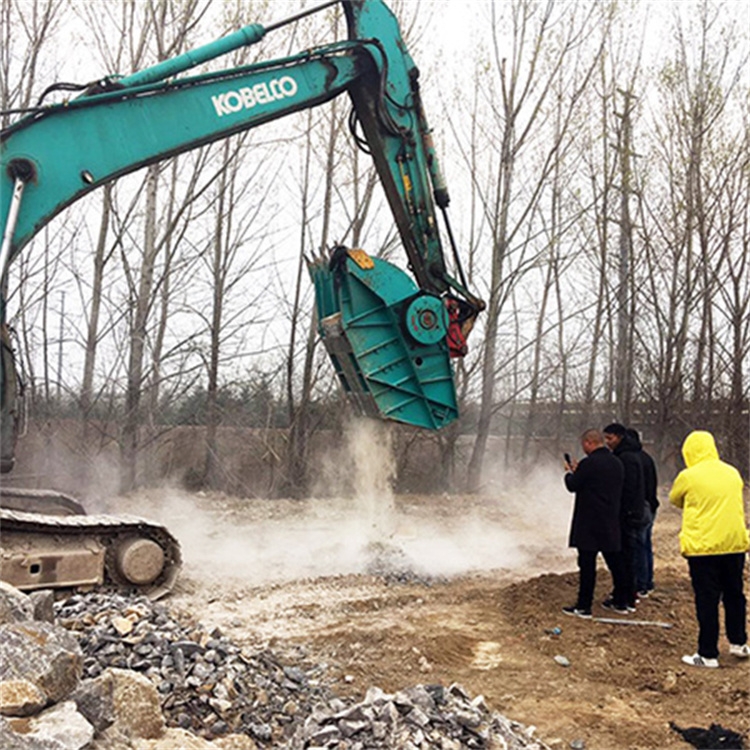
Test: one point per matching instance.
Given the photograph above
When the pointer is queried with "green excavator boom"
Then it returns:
(390, 336)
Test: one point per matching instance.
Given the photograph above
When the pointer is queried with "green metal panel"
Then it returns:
(386, 372)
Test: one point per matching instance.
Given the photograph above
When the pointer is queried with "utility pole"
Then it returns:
(625, 304)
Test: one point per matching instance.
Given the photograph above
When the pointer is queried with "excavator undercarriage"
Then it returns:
(48, 541)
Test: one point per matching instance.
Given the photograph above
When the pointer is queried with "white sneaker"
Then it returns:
(696, 660)
(741, 652)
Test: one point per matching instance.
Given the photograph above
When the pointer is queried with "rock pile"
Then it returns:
(423, 716)
(40, 666)
(116, 671)
(206, 684)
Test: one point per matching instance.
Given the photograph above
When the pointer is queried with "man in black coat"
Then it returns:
(597, 482)
(632, 504)
(644, 553)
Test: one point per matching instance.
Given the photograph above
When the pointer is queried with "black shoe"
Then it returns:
(621, 610)
(577, 612)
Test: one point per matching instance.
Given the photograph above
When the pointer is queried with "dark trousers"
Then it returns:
(644, 557)
(629, 539)
(718, 578)
(587, 577)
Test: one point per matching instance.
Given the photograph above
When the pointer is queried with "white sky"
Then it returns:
(450, 32)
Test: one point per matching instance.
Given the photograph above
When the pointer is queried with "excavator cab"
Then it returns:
(9, 392)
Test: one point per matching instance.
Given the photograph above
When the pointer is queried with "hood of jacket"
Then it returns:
(635, 441)
(628, 443)
(699, 446)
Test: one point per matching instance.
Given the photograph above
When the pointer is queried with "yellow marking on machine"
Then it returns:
(362, 259)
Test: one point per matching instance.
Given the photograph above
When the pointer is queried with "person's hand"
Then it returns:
(570, 466)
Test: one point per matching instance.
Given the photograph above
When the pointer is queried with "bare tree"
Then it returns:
(690, 225)
(546, 40)
(348, 187)
(157, 17)
(623, 364)
(298, 411)
(237, 222)
(28, 28)
(102, 254)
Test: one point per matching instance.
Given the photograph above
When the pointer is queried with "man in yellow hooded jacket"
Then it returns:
(714, 540)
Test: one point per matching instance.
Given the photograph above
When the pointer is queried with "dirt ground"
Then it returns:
(442, 590)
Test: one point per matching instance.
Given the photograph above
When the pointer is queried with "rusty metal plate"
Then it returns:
(39, 562)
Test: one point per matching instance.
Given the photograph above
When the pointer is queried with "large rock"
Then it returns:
(21, 698)
(15, 606)
(95, 700)
(121, 700)
(39, 653)
(43, 603)
(60, 727)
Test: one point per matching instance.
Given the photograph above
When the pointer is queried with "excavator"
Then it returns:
(390, 335)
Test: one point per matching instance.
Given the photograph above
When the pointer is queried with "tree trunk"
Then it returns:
(141, 306)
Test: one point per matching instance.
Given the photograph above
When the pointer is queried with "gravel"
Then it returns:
(212, 687)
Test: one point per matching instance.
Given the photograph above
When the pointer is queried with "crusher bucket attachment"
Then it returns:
(386, 339)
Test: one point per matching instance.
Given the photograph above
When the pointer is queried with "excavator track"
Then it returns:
(61, 551)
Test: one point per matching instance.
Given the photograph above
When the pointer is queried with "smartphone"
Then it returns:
(568, 459)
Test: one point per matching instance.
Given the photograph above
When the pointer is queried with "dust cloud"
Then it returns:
(514, 526)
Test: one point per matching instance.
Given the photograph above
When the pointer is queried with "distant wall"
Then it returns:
(58, 454)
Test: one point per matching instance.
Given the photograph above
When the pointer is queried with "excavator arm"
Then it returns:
(52, 158)
(390, 339)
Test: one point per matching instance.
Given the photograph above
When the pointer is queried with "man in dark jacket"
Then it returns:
(632, 505)
(644, 553)
(597, 482)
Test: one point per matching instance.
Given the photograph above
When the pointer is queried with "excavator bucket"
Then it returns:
(386, 339)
